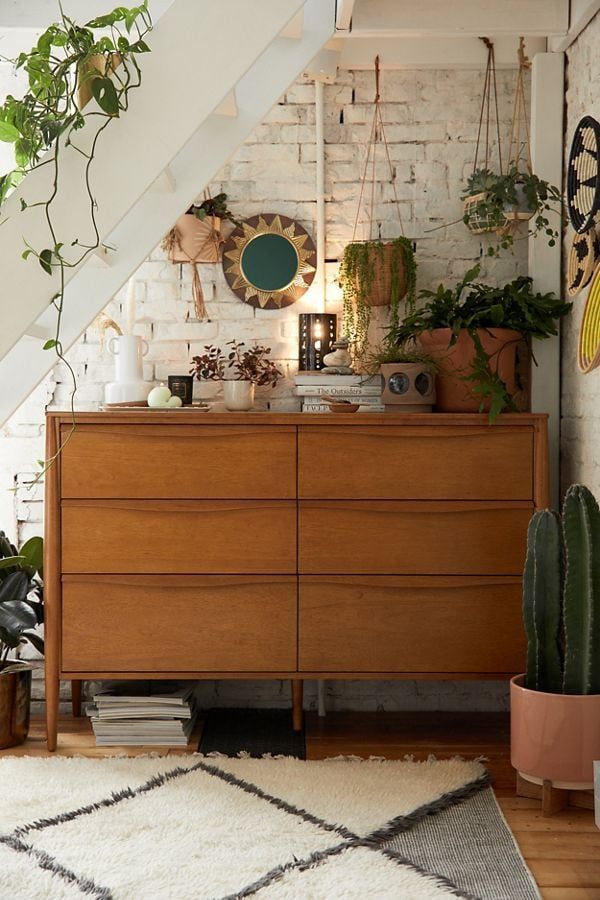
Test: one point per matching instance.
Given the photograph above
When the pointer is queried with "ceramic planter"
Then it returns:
(554, 737)
(456, 361)
(15, 697)
(522, 211)
(238, 395)
(407, 387)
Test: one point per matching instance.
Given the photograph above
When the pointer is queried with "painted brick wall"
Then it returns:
(431, 119)
(580, 393)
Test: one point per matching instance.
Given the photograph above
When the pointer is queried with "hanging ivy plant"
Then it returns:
(69, 60)
(375, 273)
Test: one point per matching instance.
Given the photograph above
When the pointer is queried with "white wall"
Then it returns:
(432, 118)
(580, 393)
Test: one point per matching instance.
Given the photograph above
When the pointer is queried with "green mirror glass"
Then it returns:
(269, 262)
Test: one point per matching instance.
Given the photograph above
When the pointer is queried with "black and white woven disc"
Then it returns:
(583, 176)
(583, 257)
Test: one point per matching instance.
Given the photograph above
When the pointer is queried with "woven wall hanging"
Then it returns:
(583, 175)
(589, 335)
(583, 257)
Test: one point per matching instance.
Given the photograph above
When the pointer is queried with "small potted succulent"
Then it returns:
(555, 704)
(21, 610)
(473, 332)
(375, 273)
(499, 203)
(240, 371)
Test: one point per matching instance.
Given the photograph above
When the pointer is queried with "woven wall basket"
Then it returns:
(197, 240)
(583, 175)
(477, 223)
(380, 291)
(583, 257)
(589, 335)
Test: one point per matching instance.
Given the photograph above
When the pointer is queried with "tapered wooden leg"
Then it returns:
(52, 700)
(76, 691)
(297, 693)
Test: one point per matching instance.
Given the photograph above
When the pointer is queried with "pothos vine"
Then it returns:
(99, 57)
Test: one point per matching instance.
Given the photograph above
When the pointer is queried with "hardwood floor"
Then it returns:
(563, 852)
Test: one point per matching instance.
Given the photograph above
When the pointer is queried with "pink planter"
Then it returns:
(554, 737)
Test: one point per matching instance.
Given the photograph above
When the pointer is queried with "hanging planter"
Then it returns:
(197, 237)
(501, 202)
(375, 272)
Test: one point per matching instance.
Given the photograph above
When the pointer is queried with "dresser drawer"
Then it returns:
(412, 538)
(179, 461)
(178, 624)
(185, 536)
(402, 462)
(411, 625)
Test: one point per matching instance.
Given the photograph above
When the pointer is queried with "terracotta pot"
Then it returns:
(554, 737)
(381, 287)
(456, 361)
(15, 697)
(407, 387)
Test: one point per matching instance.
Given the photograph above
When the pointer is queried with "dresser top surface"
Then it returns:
(195, 416)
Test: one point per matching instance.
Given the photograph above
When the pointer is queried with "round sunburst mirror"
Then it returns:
(269, 261)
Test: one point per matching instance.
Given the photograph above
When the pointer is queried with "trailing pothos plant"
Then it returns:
(362, 264)
(99, 58)
(471, 306)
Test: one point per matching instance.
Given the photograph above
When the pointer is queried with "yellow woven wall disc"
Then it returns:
(589, 336)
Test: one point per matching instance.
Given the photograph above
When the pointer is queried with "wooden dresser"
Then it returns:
(199, 545)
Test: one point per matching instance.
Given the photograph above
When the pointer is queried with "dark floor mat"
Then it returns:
(257, 731)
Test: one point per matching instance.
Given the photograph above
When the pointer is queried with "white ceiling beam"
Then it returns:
(228, 105)
(294, 28)
(460, 17)
(343, 14)
(582, 13)
(430, 53)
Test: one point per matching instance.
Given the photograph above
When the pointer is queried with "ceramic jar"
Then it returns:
(407, 387)
(238, 395)
(129, 385)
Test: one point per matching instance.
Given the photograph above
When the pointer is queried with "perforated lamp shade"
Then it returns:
(316, 335)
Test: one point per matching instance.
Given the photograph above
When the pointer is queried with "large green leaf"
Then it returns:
(8, 132)
(105, 94)
(16, 616)
(15, 586)
(10, 561)
(34, 639)
(33, 551)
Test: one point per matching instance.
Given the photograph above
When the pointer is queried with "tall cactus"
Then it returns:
(542, 585)
(581, 527)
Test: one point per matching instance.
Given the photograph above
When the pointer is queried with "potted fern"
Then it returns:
(375, 273)
(21, 610)
(555, 704)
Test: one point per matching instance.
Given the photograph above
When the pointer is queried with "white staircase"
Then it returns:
(213, 74)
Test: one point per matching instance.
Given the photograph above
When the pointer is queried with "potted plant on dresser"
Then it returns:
(21, 610)
(473, 332)
(248, 368)
(408, 377)
(555, 704)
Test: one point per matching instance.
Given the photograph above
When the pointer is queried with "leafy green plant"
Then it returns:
(469, 306)
(213, 206)
(502, 194)
(21, 595)
(101, 56)
(358, 270)
(392, 353)
(561, 597)
(250, 365)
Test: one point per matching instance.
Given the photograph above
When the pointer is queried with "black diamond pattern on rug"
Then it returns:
(255, 731)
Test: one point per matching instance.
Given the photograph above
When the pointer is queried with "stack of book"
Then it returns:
(363, 389)
(154, 713)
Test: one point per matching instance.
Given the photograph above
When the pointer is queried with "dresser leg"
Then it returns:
(76, 691)
(52, 700)
(297, 693)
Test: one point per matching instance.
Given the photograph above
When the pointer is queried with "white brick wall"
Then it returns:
(580, 393)
(431, 120)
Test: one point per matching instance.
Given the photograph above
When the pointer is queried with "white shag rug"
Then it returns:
(194, 828)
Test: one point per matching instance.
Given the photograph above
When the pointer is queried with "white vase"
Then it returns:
(238, 395)
(129, 385)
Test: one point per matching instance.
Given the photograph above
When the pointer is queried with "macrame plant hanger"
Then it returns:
(519, 147)
(377, 135)
(490, 94)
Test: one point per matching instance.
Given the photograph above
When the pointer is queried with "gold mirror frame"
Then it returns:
(251, 229)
